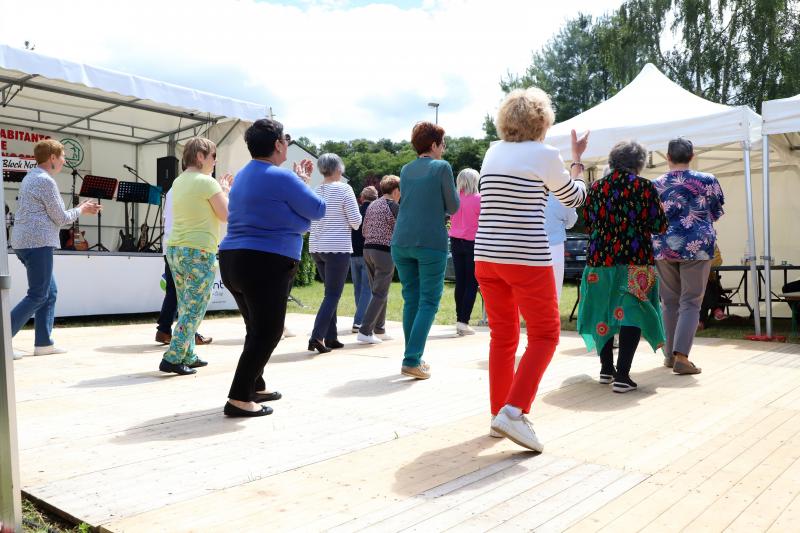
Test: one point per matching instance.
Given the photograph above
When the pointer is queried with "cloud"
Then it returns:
(331, 69)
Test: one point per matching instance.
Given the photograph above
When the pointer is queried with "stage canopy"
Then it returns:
(53, 94)
(653, 109)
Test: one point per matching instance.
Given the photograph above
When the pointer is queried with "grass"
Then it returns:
(311, 296)
(35, 520)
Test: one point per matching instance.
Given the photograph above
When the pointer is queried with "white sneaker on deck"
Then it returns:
(368, 339)
(384, 336)
(493, 433)
(518, 429)
(288, 333)
(464, 329)
(19, 355)
(48, 350)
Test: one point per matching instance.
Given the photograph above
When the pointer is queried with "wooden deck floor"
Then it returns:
(107, 439)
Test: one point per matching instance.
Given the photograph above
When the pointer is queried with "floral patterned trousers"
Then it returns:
(193, 271)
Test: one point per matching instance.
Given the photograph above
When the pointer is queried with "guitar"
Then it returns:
(143, 238)
(78, 238)
(126, 242)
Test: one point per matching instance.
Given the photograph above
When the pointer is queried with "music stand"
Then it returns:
(132, 192)
(102, 189)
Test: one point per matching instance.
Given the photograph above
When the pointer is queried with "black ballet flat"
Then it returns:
(233, 411)
(269, 397)
(334, 344)
(180, 368)
(314, 344)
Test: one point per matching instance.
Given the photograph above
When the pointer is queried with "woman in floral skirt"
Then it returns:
(619, 290)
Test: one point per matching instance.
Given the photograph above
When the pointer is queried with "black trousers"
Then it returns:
(260, 283)
(169, 307)
(628, 341)
(466, 285)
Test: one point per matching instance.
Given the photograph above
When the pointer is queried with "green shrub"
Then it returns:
(307, 270)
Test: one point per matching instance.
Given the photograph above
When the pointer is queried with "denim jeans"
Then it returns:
(421, 272)
(169, 307)
(361, 287)
(332, 268)
(40, 301)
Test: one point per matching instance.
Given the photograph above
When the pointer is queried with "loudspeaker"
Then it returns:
(166, 171)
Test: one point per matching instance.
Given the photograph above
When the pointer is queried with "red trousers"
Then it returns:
(509, 290)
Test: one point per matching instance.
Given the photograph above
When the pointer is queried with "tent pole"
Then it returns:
(767, 257)
(10, 497)
(751, 244)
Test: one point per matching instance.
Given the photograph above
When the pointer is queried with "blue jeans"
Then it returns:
(361, 288)
(332, 268)
(40, 302)
(421, 272)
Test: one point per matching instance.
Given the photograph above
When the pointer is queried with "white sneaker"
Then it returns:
(493, 433)
(384, 336)
(19, 355)
(368, 339)
(288, 333)
(48, 350)
(518, 429)
(464, 329)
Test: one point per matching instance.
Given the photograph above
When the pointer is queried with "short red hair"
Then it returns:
(424, 135)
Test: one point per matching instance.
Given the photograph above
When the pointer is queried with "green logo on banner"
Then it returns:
(73, 152)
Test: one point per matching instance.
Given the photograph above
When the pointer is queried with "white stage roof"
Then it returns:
(55, 94)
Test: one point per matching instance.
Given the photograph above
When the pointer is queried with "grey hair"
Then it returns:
(369, 193)
(328, 164)
(680, 150)
(627, 156)
(467, 181)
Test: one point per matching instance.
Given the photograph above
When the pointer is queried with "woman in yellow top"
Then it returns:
(199, 204)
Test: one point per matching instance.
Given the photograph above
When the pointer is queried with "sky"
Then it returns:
(328, 69)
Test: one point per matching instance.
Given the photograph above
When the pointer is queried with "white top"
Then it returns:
(331, 233)
(515, 181)
(40, 212)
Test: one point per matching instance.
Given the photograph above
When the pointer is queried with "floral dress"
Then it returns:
(619, 285)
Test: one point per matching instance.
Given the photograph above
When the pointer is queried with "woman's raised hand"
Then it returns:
(579, 145)
(89, 207)
(226, 182)
(304, 169)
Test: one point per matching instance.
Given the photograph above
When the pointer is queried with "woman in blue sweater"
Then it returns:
(270, 208)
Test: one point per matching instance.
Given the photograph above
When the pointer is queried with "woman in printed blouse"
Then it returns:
(619, 290)
(692, 202)
(40, 214)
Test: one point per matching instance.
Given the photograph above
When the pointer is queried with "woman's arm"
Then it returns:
(350, 207)
(449, 193)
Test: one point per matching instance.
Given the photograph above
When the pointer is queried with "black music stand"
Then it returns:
(132, 192)
(102, 189)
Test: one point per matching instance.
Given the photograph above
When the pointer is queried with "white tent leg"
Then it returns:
(751, 250)
(10, 499)
(767, 257)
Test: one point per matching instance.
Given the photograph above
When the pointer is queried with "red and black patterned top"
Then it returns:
(622, 211)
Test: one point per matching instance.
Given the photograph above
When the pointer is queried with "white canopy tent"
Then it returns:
(652, 109)
(781, 134)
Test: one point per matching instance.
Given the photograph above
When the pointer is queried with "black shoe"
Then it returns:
(314, 344)
(198, 363)
(606, 375)
(333, 345)
(181, 369)
(233, 411)
(269, 397)
(623, 384)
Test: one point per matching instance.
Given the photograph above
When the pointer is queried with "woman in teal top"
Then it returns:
(419, 244)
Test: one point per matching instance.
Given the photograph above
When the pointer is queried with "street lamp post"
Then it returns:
(435, 105)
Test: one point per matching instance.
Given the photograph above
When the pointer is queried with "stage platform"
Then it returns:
(353, 445)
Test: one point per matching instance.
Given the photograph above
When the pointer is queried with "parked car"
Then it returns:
(575, 255)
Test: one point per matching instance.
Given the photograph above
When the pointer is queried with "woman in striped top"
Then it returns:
(512, 254)
(330, 245)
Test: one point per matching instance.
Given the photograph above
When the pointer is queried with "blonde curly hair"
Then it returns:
(525, 115)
